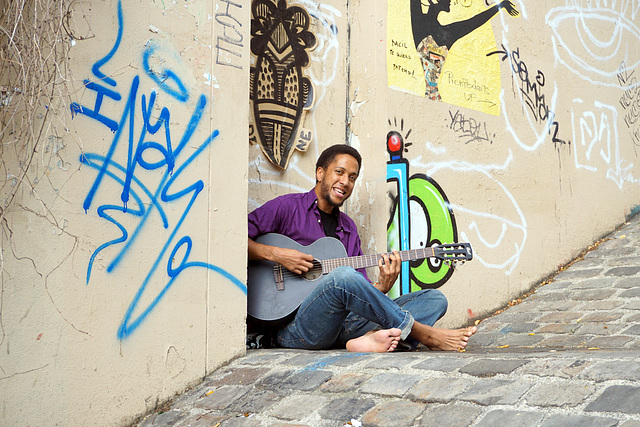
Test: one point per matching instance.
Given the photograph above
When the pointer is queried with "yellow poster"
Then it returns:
(438, 50)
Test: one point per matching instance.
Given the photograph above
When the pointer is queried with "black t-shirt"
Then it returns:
(329, 222)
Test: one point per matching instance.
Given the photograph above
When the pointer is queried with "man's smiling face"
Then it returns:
(336, 183)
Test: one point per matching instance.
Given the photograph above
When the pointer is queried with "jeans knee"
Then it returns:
(439, 300)
(347, 278)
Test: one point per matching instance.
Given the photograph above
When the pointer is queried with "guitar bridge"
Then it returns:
(278, 277)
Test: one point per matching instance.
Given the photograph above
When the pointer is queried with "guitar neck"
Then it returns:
(364, 261)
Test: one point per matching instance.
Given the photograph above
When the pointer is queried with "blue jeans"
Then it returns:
(344, 305)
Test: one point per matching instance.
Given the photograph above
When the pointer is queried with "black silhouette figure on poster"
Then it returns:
(280, 92)
(434, 40)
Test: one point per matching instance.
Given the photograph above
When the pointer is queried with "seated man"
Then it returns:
(345, 309)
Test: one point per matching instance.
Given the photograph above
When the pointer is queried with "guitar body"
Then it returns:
(268, 304)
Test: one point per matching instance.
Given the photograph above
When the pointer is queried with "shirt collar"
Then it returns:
(311, 201)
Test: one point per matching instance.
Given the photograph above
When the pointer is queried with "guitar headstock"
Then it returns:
(453, 252)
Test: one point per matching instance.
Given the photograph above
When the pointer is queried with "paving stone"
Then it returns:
(496, 392)
(165, 419)
(491, 367)
(443, 364)
(630, 423)
(297, 407)
(222, 398)
(630, 293)
(511, 317)
(601, 305)
(344, 359)
(632, 305)
(620, 254)
(586, 263)
(439, 389)
(273, 379)
(612, 342)
(345, 382)
(394, 361)
(555, 285)
(307, 358)
(564, 305)
(635, 344)
(517, 328)
(242, 421)
(490, 326)
(634, 318)
(257, 401)
(628, 282)
(557, 328)
(388, 384)
(622, 271)
(616, 370)
(239, 376)
(484, 339)
(563, 368)
(345, 409)
(500, 417)
(625, 261)
(202, 420)
(560, 317)
(563, 341)
(398, 413)
(265, 357)
(520, 340)
(596, 283)
(526, 306)
(306, 380)
(449, 416)
(578, 274)
(559, 394)
(593, 295)
(565, 420)
(599, 329)
(617, 398)
(602, 316)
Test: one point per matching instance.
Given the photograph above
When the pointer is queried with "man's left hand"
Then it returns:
(389, 271)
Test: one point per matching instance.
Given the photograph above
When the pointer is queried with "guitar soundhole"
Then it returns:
(314, 272)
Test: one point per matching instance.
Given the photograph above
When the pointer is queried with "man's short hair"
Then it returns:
(330, 153)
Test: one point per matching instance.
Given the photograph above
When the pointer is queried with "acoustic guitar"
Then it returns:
(275, 293)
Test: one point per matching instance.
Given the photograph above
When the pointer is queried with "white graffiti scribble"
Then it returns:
(535, 121)
(512, 230)
(593, 41)
(326, 55)
(598, 128)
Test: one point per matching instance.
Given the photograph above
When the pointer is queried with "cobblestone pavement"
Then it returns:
(568, 355)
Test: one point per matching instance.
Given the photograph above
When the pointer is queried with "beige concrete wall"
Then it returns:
(107, 313)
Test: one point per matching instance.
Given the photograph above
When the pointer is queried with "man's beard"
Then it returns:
(326, 194)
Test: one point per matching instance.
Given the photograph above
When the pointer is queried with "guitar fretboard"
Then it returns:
(364, 261)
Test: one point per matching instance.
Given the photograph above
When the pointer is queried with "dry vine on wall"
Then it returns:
(34, 90)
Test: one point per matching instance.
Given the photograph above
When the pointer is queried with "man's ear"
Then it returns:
(319, 173)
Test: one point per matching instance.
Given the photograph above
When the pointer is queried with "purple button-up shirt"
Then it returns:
(296, 216)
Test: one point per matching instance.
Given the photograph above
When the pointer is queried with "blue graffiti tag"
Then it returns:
(153, 140)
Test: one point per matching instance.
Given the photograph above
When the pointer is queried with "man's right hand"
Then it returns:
(291, 259)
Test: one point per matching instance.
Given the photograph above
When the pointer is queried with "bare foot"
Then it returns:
(380, 341)
(442, 339)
